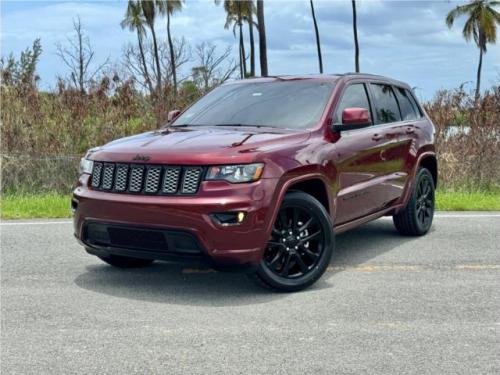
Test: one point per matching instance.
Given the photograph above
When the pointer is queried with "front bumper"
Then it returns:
(236, 245)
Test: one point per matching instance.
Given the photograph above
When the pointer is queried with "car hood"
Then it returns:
(198, 145)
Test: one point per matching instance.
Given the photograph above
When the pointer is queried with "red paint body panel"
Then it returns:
(366, 172)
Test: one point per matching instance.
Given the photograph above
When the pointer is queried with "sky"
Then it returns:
(406, 40)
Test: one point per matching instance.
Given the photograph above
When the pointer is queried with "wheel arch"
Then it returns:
(429, 161)
(314, 187)
(315, 184)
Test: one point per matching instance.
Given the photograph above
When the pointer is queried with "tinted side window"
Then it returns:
(354, 96)
(386, 107)
(405, 104)
(414, 103)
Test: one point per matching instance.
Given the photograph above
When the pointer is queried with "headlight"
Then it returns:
(86, 166)
(236, 173)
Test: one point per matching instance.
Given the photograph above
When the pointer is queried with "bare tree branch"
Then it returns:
(78, 56)
(212, 69)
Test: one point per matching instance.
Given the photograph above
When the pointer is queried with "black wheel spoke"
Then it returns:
(312, 255)
(311, 237)
(275, 259)
(427, 190)
(301, 263)
(420, 215)
(295, 218)
(274, 243)
(286, 266)
(428, 212)
(306, 225)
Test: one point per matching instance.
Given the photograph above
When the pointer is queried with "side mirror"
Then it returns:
(172, 115)
(353, 118)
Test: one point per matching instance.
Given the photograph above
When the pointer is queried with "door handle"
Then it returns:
(410, 130)
(376, 137)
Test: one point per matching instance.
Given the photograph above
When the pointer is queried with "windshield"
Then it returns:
(292, 105)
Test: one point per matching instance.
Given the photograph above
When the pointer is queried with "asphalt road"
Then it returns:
(387, 305)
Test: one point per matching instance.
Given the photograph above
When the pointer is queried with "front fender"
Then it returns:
(291, 178)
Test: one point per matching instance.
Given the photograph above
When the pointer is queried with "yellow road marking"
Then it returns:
(194, 270)
(404, 267)
(383, 268)
(478, 267)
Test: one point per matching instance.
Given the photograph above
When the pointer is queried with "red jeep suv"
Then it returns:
(261, 174)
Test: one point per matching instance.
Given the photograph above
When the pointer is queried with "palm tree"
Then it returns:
(355, 30)
(243, 58)
(262, 38)
(236, 12)
(481, 26)
(169, 7)
(149, 12)
(318, 44)
(134, 20)
(250, 11)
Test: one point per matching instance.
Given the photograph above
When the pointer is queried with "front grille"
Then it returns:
(146, 179)
(191, 181)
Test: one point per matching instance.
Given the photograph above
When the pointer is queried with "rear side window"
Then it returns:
(408, 111)
(354, 96)
(414, 103)
(386, 107)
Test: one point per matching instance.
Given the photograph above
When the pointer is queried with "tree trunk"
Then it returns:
(144, 64)
(241, 60)
(252, 42)
(172, 56)
(478, 81)
(262, 38)
(81, 71)
(157, 61)
(242, 43)
(318, 44)
(355, 29)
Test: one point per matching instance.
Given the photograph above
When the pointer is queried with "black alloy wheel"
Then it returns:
(296, 243)
(300, 247)
(416, 218)
(425, 201)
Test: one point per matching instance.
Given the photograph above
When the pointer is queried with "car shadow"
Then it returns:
(175, 283)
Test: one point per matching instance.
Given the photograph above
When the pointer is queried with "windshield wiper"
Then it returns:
(249, 125)
(229, 125)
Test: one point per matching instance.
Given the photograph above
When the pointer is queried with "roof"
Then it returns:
(322, 77)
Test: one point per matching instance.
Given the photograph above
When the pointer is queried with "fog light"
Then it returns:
(228, 218)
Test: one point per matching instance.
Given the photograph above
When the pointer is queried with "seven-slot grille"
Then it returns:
(145, 179)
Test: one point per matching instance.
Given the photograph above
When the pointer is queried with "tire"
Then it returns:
(416, 218)
(301, 245)
(126, 262)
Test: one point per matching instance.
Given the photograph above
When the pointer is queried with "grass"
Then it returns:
(35, 206)
(58, 206)
(468, 201)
